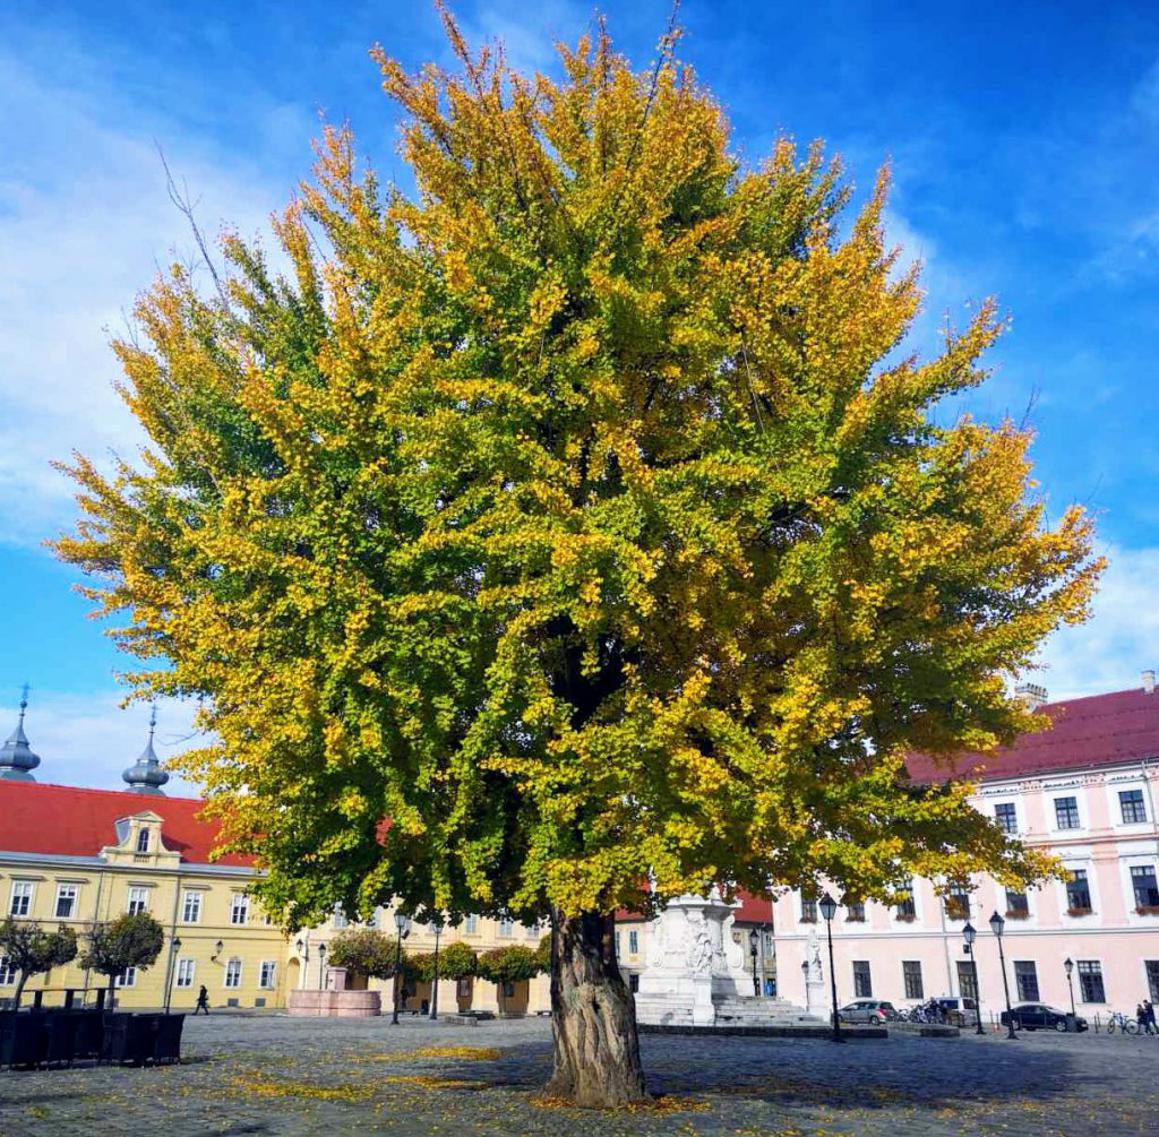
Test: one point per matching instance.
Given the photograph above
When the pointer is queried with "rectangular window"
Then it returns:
(1017, 906)
(855, 912)
(340, 920)
(967, 979)
(1091, 981)
(471, 925)
(531, 931)
(905, 908)
(21, 901)
(1078, 891)
(1131, 803)
(862, 983)
(1026, 979)
(143, 841)
(138, 901)
(808, 909)
(1066, 813)
(1006, 816)
(239, 909)
(191, 908)
(269, 974)
(633, 943)
(911, 973)
(1152, 978)
(65, 901)
(619, 951)
(127, 978)
(506, 927)
(185, 972)
(7, 972)
(233, 973)
(958, 903)
(1143, 882)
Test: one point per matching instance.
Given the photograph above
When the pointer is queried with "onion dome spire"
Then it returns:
(145, 776)
(17, 759)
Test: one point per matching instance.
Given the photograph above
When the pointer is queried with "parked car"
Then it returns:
(957, 1011)
(1038, 1016)
(874, 1011)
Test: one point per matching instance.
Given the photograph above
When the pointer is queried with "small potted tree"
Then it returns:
(131, 940)
(506, 966)
(32, 950)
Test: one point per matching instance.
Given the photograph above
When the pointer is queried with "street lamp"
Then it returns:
(828, 908)
(402, 924)
(218, 948)
(969, 935)
(1068, 963)
(754, 941)
(304, 952)
(437, 924)
(997, 926)
(321, 965)
(174, 948)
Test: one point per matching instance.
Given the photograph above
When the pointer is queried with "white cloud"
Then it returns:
(85, 223)
(87, 740)
(1120, 640)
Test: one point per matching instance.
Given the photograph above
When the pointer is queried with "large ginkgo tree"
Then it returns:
(572, 520)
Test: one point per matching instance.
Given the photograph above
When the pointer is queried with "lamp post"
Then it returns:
(997, 926)
(828, 908)
(218, 948)
(969, 934)
(754, 941)
(321, 965)
(402, 924)
(437, 923)
(174, 948)
(304, 952)
(1068, 963)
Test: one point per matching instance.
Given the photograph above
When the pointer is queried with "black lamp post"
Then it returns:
(828, 908)
(437, 923)
(997, 926)
(1068, 963)
(218, 948)
(402, 925)
(174, 948)
(754, 941)
(969, 935)
(321, 965)
(304, 952)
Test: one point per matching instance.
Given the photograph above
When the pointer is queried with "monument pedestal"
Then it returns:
(695, 974)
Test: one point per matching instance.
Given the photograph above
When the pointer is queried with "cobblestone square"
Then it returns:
(280, 1076)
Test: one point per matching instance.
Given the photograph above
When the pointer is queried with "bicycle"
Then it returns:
(1119, 1021)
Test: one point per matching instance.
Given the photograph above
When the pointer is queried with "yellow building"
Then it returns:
(74, 857)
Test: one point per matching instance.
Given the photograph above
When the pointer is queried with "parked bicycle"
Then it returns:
(1119, 1021)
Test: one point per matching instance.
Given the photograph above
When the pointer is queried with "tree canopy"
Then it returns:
(133, 939)
(364, 951)
(32, 949)
(580, 513)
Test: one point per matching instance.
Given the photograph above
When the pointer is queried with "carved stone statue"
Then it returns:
(815, 974)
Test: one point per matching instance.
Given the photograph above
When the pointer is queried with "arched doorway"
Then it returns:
(293, 975)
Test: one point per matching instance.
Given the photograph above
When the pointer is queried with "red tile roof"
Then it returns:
(1101, 730)
(68, 821)
(752, 910)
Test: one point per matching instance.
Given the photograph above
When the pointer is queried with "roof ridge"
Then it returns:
(112, 793)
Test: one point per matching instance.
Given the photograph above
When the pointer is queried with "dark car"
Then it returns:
(874, 1011)
(1038, 1016)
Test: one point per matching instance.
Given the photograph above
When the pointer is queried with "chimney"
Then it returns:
(1148, 682)
(1033, 694)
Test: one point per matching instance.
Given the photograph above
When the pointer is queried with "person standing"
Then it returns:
(1147, 1021)
(202, 1001)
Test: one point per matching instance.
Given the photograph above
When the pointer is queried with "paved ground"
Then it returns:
(297, 1077)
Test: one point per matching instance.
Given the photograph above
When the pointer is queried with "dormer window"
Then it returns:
(143, 841)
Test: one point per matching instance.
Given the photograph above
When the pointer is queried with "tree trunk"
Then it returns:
(597, 1052)
(19, 990)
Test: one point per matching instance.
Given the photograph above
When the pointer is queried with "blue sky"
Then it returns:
(1024, 140)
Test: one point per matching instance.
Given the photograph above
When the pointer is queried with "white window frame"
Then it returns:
(239, 903)
(144, 840)
(233, 969)
(1088, 867)
(1013, 802)
(138, 900)
(21, 899)
(505, 928)
(127, 978)
(192, 900)
(633, 942)
(268, 974)
(1062, 795)
(69, 892)
(471, 926)
(186, 972)
(7, 972)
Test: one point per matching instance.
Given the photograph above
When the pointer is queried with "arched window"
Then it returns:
(143, 841)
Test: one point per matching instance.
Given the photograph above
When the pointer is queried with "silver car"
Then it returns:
(874, 1011)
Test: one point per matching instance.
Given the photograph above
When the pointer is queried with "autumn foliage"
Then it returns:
(580, 513)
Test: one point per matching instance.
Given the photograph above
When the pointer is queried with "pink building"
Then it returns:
(1087, 791)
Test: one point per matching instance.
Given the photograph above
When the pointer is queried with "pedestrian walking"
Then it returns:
(202, 1001)
(1147, 1022)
